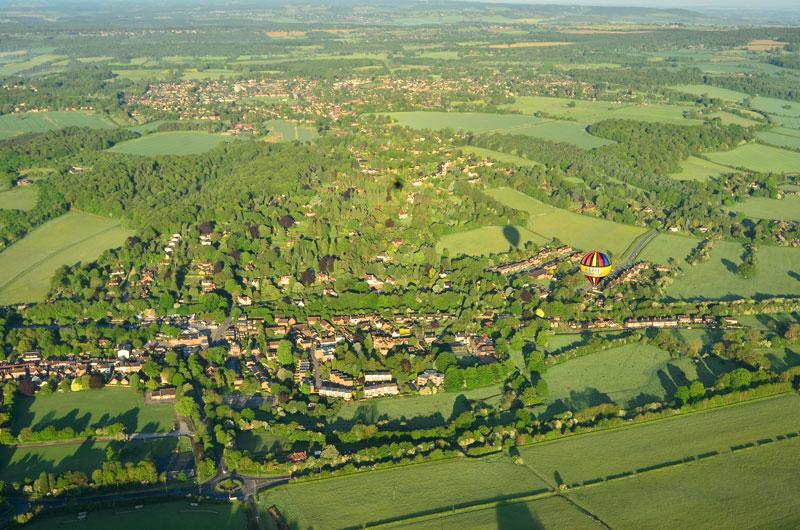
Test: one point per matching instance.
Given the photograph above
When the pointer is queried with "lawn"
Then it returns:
(18, 198)
(74, 237)
(93, 408)
(260, 443)
(630, 375)
(593, 111)
(399, 492)
(754, 488)
(785, 209)
(178, 514)
(774, 137)
(698, 169)
(497, 155)
(47, 121)
(487, 240)
(580, 231)
(598, 455)
(759, 158)
(776, 106)
(28, 462)
(171, 143)
(712, 91)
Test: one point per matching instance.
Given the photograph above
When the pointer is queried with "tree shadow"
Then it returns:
(667, 384)
(731, 266)
(794, 275)
(779, 364)
(512, 235)
(516, 516)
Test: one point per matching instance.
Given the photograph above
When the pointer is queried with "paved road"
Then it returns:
(219, 333)
(642, 243)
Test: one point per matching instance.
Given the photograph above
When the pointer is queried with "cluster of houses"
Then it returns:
(343, 386)
(546, 254)
(678, 321)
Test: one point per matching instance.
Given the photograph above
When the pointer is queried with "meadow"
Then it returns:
(33, 62)
(594, 111)
(580, 231)
(776, 106)
(29, 264)
(171, 143)
(728, 118)
(695, 168)
(17, 464)
(178, 514)
(665, 246)
(497, 155)
(713, 92)
(400, 492)
(775, 138)
(282, 131)
(260, 443)
(18, 199)
(785, 209)
(487, 240)
(759, 158)
(48, 121)
(93, 408)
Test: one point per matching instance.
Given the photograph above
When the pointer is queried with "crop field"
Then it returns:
(630, 375)
(171, 143)
(285, 131)
(18, 463)
(580, 231)
(753, 488)
(487, 240)
(417, 411)
(785, 209)
(698, 169)
(776, 106)
(497, 155)
(601, 454)
(93, 407)
(594, 111)
(759, 158)
(780, 140)
(47, 121)
(400, 492)
(18, 199)
(713, 91)
(33, 62)
(74, 237)
(178, 514)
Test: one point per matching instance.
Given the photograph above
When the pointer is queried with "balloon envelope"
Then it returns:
(595, 266)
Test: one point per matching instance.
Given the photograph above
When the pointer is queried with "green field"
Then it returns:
(712, 91)
(93, 408)
(18, 199)
(260, 443)
(776, 106)
(580, 231)
(481, 122)
(785, 209)
(29, 263)
(33, 62)
(630, 375)
(47, 121)
(7, 134)
(698, 169)
(282, 131)
(178, 514)
(487, 240)
(17, 464)
(171, 143)
(497, 155)
(780, 140)
(728, 118)
(399, 492)
(593, 111)
(140, 74)
(759, 158)
(665, 246)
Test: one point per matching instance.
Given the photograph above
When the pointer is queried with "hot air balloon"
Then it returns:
(595, 266)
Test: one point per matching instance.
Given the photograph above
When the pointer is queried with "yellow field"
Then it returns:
(530, 44)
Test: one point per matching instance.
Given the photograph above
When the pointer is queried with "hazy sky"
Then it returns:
(660, 4)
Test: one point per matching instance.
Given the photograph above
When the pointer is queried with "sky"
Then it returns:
(661, 4)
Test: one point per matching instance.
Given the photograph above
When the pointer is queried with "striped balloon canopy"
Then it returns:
(595, 266)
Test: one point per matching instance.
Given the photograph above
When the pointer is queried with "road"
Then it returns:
(639, 246)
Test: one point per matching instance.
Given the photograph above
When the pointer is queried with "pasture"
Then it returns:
(497, 155)
(93, 408)
(171, 143)
(286, 131)
(695, 168)
(759, 158)
(713, 92)
(785, 209)
(753, 488)
(177, 514)
(593, 111)
(580, 231)
(728, 118)
(487, 240)
(777, 139)
(400, 492)
(17, 464)
(48, 121)
(29, 64)
(18, 198)
(776, 106)
(665, 246)
(74, 237)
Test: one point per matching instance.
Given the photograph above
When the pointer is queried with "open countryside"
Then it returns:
(171, 143)
(759, 158)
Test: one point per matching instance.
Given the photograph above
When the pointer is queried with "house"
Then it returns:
(377, 377)
(31, 356)
(380, 389)
(432, 376)
(124, 350)
(341, 379)
(332, 391)
(297, 457)
(163, 394)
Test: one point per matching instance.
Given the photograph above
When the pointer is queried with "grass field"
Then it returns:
(780, 140)
(261, 443)
(47, 121)
(7, 134)
(33, 62)
(666, 246)
(178, 514)
(481, 122)
(399, 492)
(593, 111)
(728, 118)
(497, 155)
(747, 489)
(759, 158)
(487, 240)
(171, 143)
(29, 263)
(785, 209)
(139, 74)
(776, 106)
(18, 199)
(580, 231)
(713, 91)
(19, 464)
(285, 131)
(698, 169)
(93, 407)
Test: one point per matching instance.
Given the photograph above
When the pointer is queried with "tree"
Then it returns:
(792, 333)
(96, 382)
(741, 378)
(697, 391)
(529, 396)
(444, 361)
(285, 356)
(329, 452)
(682, 395)
(453, 379)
